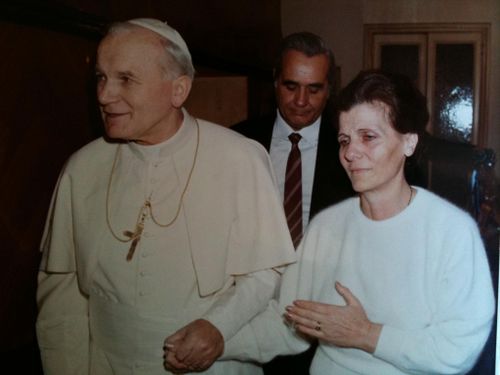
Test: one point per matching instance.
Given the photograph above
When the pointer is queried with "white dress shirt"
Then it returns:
(308, 145)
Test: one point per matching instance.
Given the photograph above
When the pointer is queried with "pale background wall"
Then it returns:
(340, 23)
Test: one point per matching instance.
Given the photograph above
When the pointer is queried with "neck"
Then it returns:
(383, 205)
(166, 129)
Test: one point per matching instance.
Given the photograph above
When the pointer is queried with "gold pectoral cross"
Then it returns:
(135, 236)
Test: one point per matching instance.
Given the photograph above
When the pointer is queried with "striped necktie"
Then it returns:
(293, 190)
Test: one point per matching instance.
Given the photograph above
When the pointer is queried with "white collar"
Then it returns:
(171, 145)
(309, 133)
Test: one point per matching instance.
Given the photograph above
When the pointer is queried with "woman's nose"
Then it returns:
(351, 152)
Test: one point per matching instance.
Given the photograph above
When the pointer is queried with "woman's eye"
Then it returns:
(343, 142)
(369, 137)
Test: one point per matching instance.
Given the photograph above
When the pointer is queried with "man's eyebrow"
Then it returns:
(126, 73)
(289, 82)
(317, 85)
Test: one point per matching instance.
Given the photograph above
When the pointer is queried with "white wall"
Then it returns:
(340, 23)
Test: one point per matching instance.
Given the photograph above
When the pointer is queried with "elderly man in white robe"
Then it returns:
(164, 237)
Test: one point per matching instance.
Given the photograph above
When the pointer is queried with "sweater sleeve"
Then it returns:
(462, 320)
(238, 305)
(268, 335)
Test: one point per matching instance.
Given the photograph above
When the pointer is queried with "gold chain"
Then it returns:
(136, 235)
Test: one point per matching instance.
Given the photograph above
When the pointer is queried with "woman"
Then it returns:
(400, 275)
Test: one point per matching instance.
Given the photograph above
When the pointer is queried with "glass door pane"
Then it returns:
(453, 112)
(403, 54)
(454, 86)
(401, 59)
(449, 61)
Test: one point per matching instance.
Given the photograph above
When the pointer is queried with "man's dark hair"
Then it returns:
(310, 45)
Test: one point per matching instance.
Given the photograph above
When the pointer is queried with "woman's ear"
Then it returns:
(410, 143)
(181, 86)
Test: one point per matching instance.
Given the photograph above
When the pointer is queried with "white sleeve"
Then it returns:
(62, 324)
(268, 335)
(451, 343)
(240, 303)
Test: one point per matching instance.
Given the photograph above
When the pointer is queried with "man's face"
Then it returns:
(302, 88)
(135, 97)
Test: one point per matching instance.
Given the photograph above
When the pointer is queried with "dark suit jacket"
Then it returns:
(331, 183)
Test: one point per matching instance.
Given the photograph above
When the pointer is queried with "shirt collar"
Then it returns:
(309, 133)
(171, 145)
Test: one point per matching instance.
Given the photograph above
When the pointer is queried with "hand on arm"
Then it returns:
(343, 326)
(194, 347)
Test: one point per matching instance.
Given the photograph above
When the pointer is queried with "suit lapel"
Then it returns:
(331, 183)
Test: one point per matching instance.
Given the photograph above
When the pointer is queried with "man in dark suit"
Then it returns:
(303, 81)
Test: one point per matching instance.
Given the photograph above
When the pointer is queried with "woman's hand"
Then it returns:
(344, 326)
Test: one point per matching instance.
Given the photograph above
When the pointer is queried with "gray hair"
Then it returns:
(310, 45)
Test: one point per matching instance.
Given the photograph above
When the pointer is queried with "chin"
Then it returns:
(115, 129)
(115, 134)
(300, 124)
(359, 187)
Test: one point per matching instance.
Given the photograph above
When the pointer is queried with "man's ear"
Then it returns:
(181, 86)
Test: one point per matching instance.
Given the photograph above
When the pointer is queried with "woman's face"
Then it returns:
(372, 152)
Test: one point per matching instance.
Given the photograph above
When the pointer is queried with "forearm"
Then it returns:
(264, 338)
(62, 324)
(239, 304)
(267, 335)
